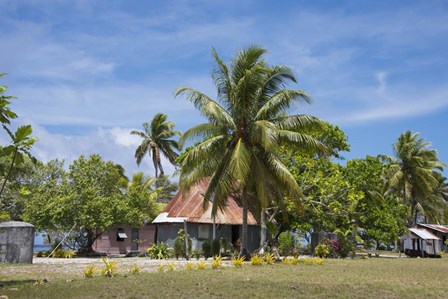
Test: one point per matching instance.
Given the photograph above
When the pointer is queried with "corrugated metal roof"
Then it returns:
(190, 207)
(423, 234)
(163, 218)
(437, 227)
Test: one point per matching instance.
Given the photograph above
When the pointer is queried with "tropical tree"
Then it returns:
(21, 144)
(87, 200)
(412, 174)
(6, 114)
(141, 200)
(247, 122)
(157, 138)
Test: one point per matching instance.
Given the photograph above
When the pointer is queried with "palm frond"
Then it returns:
(208, 107)
(239, 163)
(298, 122)
(200, 132)
(303, 141)
(280, 102)
(264, 133)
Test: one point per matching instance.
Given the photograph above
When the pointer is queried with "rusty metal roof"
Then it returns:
(437, 227)
(190, 207)
(424, 234)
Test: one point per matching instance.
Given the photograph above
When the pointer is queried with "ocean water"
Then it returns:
(40, 247)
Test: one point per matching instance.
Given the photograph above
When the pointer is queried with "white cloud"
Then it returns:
(402, 104)
(115, 144)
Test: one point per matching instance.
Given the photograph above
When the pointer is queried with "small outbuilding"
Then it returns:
(421, 243)
(440, 231)
(16, 242)
(187, 210)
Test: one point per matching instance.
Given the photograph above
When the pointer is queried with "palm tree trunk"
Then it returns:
(9, 171)
(263, 228)
(156, 167)
(243, 250)
(161, 168)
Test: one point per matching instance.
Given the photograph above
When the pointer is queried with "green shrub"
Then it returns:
(322, 250)
(179, 244)
(285, 243)
(196, 254)
(40, 254)
(110, 268)
(226, 247)
(217, 262)
(62, 253)
(256, 260)
(238, 261)
(189, 266)
(68, 254)
(89, 271)
(216, 247)
(158, 252)
(207, 248)
(295, 261)
(269, 258)
(135, 269)
(171, 266)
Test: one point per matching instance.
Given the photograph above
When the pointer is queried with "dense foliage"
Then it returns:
(90, 198)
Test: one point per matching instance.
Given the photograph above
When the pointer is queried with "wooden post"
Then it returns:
(423, 254)
(186, 240)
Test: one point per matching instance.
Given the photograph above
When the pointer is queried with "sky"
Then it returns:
(86, 73)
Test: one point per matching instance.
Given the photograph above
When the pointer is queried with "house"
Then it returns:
(440, 231)
(186, 210)
(421, 242)
(122, 239)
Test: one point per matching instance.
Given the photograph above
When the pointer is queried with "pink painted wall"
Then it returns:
(108, 243)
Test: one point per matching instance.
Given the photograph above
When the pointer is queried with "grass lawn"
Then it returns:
(359, 278)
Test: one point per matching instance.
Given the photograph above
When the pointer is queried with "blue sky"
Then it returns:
(88, 72)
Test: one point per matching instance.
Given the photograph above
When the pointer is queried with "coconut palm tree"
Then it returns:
(156, 139)
(412, 174)
(247, 123)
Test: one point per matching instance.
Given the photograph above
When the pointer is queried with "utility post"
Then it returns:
(187, 256)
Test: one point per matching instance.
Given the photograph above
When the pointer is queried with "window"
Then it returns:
(121, 235)
(203, 231)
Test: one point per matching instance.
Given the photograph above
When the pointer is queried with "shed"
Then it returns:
(16, 242)
(188, 208)
(440, 231)
(421, 242)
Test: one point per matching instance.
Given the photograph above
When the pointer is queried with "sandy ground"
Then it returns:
(54, 266)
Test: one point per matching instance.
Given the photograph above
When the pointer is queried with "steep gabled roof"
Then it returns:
(190, 208)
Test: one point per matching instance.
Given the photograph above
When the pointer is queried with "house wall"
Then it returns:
(109, 243)
(443, 237)
(199, 232)
(408, 243)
